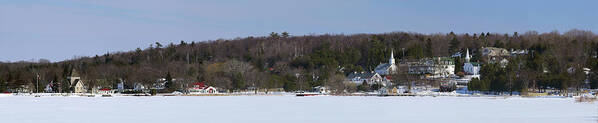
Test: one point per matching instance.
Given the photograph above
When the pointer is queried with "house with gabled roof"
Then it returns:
(76, 83)
(360, 77)
(201, 88)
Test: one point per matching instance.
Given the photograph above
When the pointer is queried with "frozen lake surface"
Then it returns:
(291, 109)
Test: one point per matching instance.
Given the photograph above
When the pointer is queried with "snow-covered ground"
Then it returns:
(291, 109)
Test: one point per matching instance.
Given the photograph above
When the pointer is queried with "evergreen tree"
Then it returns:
(454, 45)
(364, 87)
(2, 84)
(429, 48)
(594, 80)
(499, 44)
(459, 65)
(290, 85)
(238, 81)
(274, 35)
(477, 55)
(285, 34)
(415, 51)
(169, 84)
(376, 86)
(183, 43)
(452, 34)
(493, 78)
(158, 45)
(376, 52)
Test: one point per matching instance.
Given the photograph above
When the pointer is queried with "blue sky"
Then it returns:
(59, 30)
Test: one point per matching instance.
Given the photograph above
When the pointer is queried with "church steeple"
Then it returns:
(467, 56)
(392, 58)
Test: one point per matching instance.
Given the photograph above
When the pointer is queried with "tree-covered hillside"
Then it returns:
(301, 62)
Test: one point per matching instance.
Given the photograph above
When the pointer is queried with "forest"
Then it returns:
(282, 60)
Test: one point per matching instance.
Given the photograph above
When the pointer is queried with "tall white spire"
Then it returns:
(392, 58)
(467, 56)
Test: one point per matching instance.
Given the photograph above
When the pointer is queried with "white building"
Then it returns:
(387, 68)
(80, 87)
(201, 88)
(105, 91)
(321, 90)
(445, 67)
(121, 86)
(471, 68)
(139, 87)
(76, 83)
(49, 86)
(433, 67)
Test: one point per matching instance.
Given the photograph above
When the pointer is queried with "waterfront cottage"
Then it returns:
(210, 90)
(76, 83)
(79, 87)
(201, 88)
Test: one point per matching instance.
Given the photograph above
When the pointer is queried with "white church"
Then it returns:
(471, 69)
(387, 68)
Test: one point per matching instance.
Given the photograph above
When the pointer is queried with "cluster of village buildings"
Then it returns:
(426, 68)
(441, 68)
(77, 85)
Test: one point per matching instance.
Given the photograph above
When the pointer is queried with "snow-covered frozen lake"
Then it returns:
(291, 109)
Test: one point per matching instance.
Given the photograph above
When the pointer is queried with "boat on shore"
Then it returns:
(302, 94)
(308, 94)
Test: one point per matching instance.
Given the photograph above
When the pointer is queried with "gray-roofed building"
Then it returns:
(360, 77)
(433, 67)
(495, 52)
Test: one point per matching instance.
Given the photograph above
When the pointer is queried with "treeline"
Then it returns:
(557, 66)
(302, 62)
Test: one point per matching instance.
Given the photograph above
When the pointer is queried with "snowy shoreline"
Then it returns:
(436, 94)
(292, 109)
